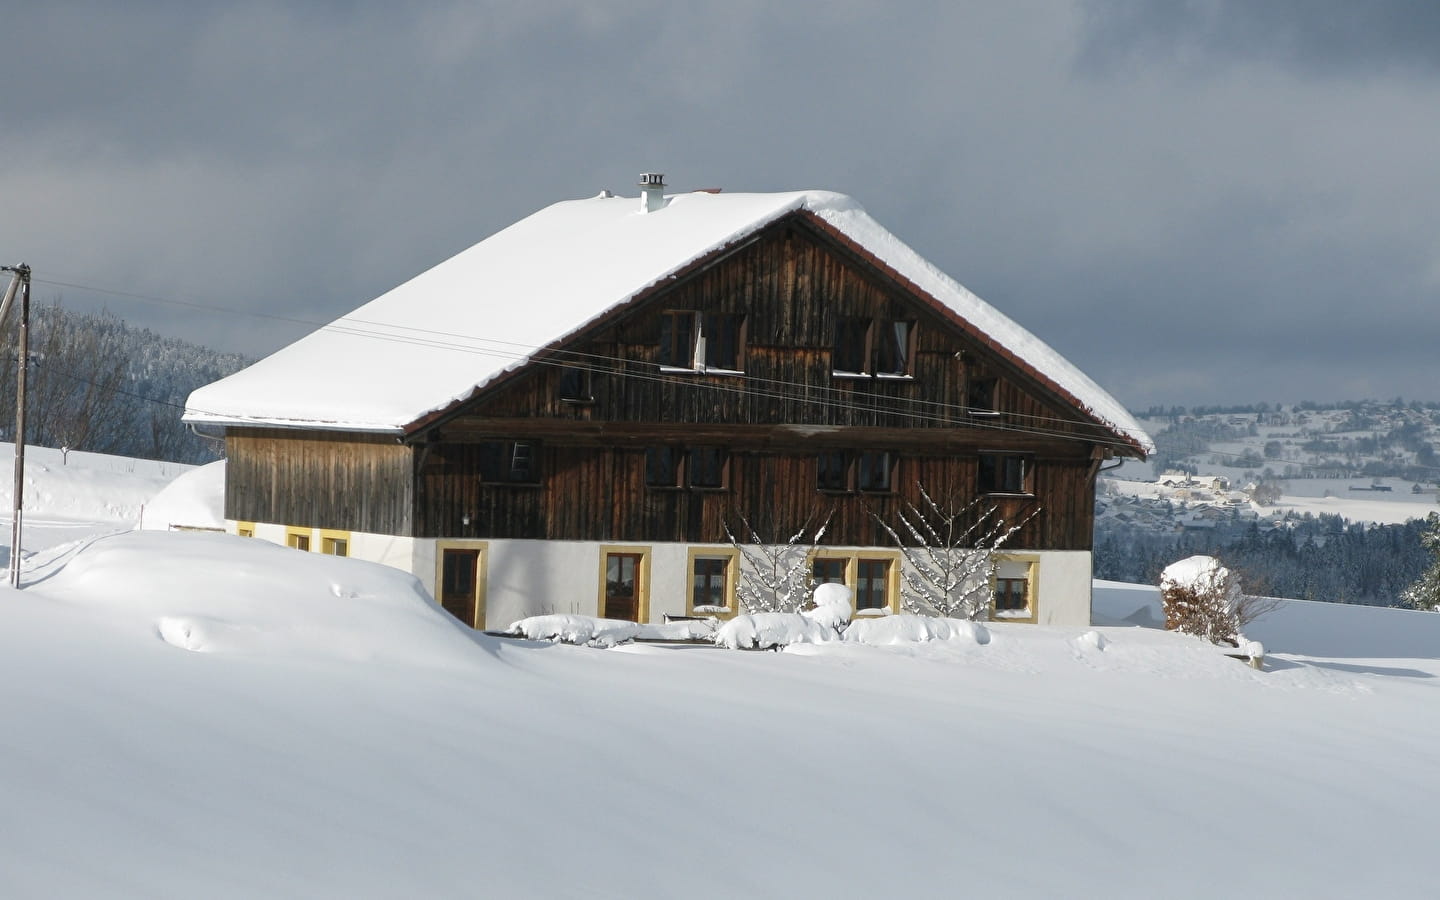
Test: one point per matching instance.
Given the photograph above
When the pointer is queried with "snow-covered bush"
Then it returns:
(912, 629)
(832, 606)
(1200, 597)
(766, 630)
(567, 629)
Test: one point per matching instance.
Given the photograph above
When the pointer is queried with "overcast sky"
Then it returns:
(1196, 201)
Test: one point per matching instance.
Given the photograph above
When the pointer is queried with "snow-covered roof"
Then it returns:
(438, 338)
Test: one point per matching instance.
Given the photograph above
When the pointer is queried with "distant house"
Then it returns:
(567, 416)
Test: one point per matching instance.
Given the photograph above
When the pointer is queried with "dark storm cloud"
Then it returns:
(1256, 227)
(1323, 36)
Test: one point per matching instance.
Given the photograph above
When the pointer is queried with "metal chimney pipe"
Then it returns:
(652, 191)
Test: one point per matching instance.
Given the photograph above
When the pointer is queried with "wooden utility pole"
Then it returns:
(19, 279)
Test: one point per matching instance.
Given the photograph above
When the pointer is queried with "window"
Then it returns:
(871, 575)
(720, 339)
(708, 584)
(700, 342)
(879, 347)
(1003, 473)
(335, 543)
(832, 472)
(828, 570)
(508, 462)
(706, 468)
(872, 583)
(980, 396)
(841, 472)
(1012, 595)
(892, 349)
(877, 469)
(297, 538)
(713, 572)
(574, 386)
(245, 529)
(677, 340)
(852, 344)
(662, 467)
(1015, 590)
(701, 468)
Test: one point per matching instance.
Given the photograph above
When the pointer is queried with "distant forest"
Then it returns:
(1317, 558)
(96, 383)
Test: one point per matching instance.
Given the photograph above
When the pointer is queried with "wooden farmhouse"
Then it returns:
(566, 417)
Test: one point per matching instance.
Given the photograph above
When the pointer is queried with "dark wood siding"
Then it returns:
(793, 284)
(353, 482)
(591, 492)
(793, 287)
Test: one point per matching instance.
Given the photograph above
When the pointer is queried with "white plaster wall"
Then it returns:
(532, 578)
(1064, 587)
(389, 550)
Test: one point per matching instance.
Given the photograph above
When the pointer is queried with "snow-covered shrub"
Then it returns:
(907, 628)
(832, 606)
(762, 631)
(1200, 597)
(568, 629)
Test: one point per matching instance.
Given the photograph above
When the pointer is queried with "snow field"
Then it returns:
(203, 715)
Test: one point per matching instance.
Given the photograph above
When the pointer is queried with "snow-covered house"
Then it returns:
(566, 416)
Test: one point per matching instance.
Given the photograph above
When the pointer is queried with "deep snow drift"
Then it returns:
(204, 715)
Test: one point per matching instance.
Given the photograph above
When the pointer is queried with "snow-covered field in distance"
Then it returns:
(199, 715)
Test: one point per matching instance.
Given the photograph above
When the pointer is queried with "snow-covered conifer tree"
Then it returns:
(1425, 592)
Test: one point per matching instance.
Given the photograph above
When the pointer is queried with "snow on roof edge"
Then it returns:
(839, 211)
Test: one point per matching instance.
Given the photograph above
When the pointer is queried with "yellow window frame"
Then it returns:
(732, 578)
(642, 578)
(330, 537)
(1032, 586)
(294, 536)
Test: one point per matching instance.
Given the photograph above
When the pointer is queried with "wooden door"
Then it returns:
(622, 586)
(460, 584)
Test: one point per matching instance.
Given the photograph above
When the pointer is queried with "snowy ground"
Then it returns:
(197, 715)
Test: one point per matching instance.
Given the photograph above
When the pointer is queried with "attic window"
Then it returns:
(980, 396)
(702, 342)
(574, 385)
(867, 346)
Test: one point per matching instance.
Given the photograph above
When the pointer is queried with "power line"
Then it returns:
(919, 410)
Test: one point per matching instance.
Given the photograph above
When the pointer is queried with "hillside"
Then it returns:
(1312, 501)
(204, 715)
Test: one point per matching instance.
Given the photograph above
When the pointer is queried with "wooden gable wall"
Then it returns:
(793, 285)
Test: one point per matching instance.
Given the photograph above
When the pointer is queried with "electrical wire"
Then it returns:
(771, 389)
